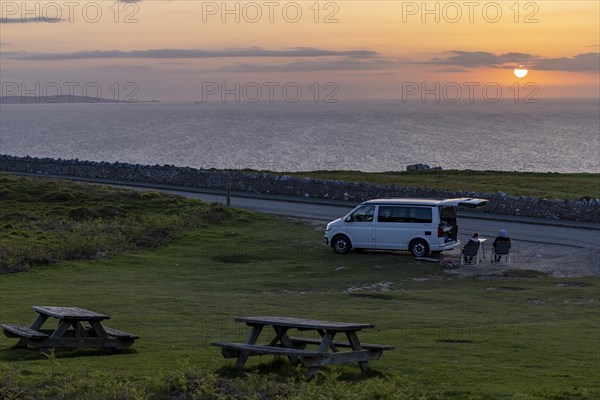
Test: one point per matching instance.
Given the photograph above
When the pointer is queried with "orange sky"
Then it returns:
(369, 49)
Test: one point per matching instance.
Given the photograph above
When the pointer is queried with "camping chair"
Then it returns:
(471, 249)
(501, 249)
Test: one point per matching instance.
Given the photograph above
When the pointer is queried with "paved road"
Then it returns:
(524, 229)
(570, 233)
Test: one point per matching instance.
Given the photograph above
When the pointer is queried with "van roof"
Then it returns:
(464, 201)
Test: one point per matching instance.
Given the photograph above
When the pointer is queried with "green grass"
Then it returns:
(541, 185)
(44, 221)
(521, 336)
(454, 337)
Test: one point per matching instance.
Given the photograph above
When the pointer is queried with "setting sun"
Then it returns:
(520, 72)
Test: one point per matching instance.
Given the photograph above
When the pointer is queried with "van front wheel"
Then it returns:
(419, 248)
(341, 244)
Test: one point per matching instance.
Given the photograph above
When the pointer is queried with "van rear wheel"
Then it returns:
(341, 244)
(419, 248)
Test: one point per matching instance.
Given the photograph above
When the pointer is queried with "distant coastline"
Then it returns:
(62, 99)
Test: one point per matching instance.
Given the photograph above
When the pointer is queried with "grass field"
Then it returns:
(533, 337)
(45, 220)
(542, 185)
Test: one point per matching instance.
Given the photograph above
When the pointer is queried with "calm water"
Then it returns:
(552, 135)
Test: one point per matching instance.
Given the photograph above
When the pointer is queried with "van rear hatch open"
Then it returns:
(448, 228)
(464, 202)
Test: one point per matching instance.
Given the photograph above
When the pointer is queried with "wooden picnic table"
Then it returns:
(295, 347)
(76, 328)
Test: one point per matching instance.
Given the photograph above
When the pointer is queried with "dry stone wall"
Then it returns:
(585, 209)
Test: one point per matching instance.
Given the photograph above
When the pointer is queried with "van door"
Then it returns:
(360, 227)
(398, 225)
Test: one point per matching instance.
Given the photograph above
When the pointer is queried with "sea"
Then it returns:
(552, 135)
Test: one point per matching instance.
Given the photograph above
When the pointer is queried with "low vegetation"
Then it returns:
(45, 221)
(518, 336)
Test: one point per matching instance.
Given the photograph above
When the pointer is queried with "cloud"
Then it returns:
(37, 20)
(191, 53)
(454, 69)
(581, 62)
(120, 68)
(305, 66)
(473, 59)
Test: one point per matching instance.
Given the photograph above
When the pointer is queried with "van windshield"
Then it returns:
(363, 214)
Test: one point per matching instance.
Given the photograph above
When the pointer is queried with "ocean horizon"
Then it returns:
(552, 135)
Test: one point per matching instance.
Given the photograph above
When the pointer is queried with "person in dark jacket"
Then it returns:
(473, 239)
(502, 238)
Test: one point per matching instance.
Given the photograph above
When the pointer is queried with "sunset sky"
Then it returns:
(369, 49)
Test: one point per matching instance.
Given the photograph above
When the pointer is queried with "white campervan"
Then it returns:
(420, 226)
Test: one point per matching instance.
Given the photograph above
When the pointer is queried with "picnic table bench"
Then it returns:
(295, 347)
(76, 328)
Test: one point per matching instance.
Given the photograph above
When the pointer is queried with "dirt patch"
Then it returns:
(579, 301)
(572, 284)
(379, 286)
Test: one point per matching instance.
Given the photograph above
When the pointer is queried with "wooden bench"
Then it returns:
(120, 334)
(232, 350)
(297, 340)
(17, 331)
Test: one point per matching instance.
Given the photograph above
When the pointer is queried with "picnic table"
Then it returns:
(327, 349)
(76, 328)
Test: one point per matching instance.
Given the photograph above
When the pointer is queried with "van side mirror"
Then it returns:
(349, 219)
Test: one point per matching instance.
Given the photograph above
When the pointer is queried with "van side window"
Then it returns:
(364, 214)
(421, 215)
(404, 214)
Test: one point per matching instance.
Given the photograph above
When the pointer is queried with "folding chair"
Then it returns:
(470, 250)
(501, 249)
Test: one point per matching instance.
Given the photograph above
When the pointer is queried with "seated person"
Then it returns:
(473, 239)
(502, 238)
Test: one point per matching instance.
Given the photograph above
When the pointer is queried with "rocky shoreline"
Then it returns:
(585, 209)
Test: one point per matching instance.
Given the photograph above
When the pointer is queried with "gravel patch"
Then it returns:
(551, 259)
